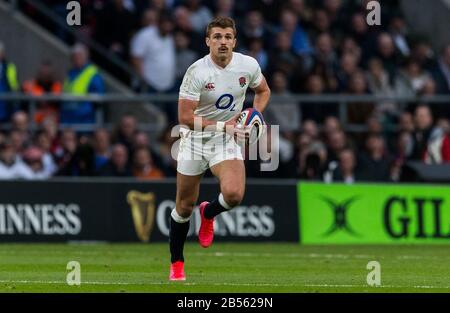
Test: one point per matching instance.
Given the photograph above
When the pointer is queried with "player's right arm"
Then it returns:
(186, 116)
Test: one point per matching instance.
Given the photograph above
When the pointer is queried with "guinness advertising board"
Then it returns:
(100, 210)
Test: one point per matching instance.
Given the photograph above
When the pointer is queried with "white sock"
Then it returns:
(223, 203)
(177, 218)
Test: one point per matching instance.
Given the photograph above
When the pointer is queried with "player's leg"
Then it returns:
(190, 168)
(231, 174)
(186, 198)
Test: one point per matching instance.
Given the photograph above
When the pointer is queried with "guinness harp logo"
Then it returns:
(143, 211)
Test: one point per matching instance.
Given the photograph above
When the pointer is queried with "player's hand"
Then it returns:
(236, 130)
(241, 133)
(231, 124)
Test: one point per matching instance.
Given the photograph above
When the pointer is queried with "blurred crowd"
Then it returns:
(303, 46)
(311, 153)
(123, 152)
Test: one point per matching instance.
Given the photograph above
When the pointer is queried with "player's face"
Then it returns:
(221, 42)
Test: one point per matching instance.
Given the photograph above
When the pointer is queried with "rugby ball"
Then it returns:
(253, 120)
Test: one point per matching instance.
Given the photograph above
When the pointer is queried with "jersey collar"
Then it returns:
(219, 67)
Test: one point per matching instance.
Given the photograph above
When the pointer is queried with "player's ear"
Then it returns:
(235, 42)
(207, 41)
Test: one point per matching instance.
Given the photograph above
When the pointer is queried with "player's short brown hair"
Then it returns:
(222, 22)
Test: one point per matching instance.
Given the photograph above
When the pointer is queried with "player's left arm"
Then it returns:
(262, 95)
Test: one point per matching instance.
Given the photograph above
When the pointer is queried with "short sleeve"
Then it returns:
(256, 75)
(191, 86)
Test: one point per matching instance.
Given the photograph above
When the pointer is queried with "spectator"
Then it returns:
(224, 8)
(200, 15)
(404, 146)
(149, 18)
(348, 66)
(310, 128)
(307, 157)
(299, 38)
(256, 50)
(312, 168)
(125, 132)
(283, 58)
(45, 82)
(153, 55)
(43, 142)
(141, 140)
(375, 164)
(184, 56)
(254, 27)
(335, 12)
(349, 45)
(424, 55)
(182, 18)
(143, 166)
(50, 128)
(65, 151)
(102, 148)
(112, 34)
(445, 149)
(33, 157)
(8, 83)
(336, 142)
(431, 144)
(118, 165)
(411, 80)
(82, 162)
(424, 131)
(378, 78)
(285, 112)
(331, 125)
(374, 126)
(18, 140)
(164, 152)
(157, 5)
(398, 32)
(386, 52)
(82, 79)
(428, 88)
(20, 122)
(11, 166)
(317, 110)
(321, 24)
(360, 33)
(441, 72)
(358, 112)
(443, 124)
(345, 171)
(406, 122)
(325, 62)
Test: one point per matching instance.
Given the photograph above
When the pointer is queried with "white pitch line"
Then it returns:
(222, 284)
(266, 254)
(310, 255)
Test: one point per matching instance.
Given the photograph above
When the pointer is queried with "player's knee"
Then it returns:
(185, 208)
(233, 196)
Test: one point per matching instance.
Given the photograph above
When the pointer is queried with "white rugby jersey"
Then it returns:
(220, 91)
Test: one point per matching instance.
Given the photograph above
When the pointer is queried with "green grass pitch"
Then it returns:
(230, 267)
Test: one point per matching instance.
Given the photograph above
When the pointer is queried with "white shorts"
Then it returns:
(196, 155)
